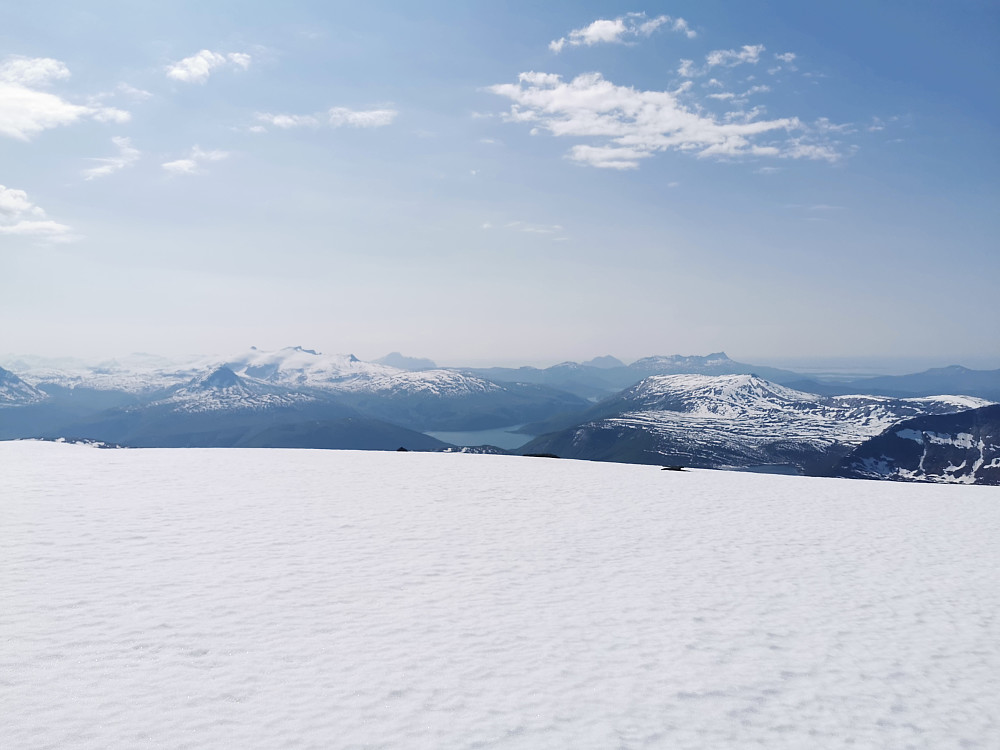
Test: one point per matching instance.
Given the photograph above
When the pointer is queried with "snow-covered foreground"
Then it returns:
(271, 598)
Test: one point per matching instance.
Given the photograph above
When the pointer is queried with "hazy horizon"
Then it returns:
(806, 365)
(503, 183)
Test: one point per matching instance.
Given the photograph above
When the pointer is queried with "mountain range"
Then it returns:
(706, 411)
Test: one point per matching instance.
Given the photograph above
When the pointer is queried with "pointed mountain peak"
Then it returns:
(222, 377)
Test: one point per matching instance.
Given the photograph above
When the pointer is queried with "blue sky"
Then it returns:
(499, 182)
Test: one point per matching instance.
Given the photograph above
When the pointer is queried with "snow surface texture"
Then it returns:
(317, 599)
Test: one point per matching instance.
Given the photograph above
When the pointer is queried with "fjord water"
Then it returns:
(501, 437)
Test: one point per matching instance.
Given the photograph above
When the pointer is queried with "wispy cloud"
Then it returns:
(334, 117)
(127, 155)
(25, 110)
(523, 226)
(195, 162)
(122, 89)
(198, 67)
(619, 30)
(20, 217)
(554, 231)
(748, 54)
(630, 125)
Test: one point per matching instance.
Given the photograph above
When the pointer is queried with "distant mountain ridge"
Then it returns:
(596, 381)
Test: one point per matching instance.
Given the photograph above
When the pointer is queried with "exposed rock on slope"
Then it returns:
(961, 448)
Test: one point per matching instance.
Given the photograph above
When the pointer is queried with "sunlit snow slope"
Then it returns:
(261, 599)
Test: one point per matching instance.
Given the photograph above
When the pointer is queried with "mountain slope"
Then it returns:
(961, 448)
(15, 392)
(732, 421)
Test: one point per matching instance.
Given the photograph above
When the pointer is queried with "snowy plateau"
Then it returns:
(206, 598)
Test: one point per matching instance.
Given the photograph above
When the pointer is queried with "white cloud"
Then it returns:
(20, 217)
(681, 25)
(32, 71)
(522, 226)
(195, 162)
(132, 91)
(288, 121)
(198, 67)
(686, 68)
(127, 155)
(824, 125)
(239, 59)
(334, 117)
(726, 58)
(619, 30)
(630, 125)
(26, 111)
(609, 157)
(749, 53)
(368, 118)
(786, 57)
(181, 166)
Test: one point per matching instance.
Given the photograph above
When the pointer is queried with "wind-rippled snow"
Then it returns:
(272, 598)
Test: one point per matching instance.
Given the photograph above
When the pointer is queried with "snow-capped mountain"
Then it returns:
(140, 376)
(733, 421)
(305, 368)
(142, 400)
(424, 400)
(15, 392)
(224, 390)
(961, 448)
(297, 367)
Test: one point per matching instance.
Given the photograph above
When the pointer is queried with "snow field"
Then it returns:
(210, 598)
